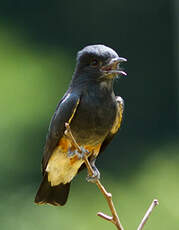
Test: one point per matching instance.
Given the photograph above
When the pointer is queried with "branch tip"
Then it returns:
(104, 216)
(156, 202)
(147, 214)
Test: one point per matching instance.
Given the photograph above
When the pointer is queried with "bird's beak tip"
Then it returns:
(121, 59)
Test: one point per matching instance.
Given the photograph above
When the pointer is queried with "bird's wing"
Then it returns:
(64, 113)
(116, 125)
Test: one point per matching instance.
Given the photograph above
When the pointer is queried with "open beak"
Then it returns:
(113, 67)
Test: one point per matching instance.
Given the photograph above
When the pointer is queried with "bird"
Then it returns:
(94, 114)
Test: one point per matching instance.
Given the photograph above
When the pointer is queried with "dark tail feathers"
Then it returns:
(56, 195)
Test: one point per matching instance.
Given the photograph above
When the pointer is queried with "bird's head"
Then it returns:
(98, 62)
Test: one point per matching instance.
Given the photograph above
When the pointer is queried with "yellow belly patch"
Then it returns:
(61, 168)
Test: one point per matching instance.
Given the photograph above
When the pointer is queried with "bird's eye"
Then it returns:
(94, 62)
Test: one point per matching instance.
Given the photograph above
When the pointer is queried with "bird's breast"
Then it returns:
(94, 117)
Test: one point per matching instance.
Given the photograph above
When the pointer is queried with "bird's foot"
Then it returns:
(80, 155)
(96, 174)
(94, 177)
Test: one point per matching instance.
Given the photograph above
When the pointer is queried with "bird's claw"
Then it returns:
(94, 177)
(96, 174)
(83, 152)
(80, 155)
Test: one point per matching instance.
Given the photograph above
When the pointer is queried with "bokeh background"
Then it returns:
(38, 45)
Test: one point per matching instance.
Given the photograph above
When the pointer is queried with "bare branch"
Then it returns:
(104, 216)
(108, 196)
(69, 134)
(114, 219)
(145, 218)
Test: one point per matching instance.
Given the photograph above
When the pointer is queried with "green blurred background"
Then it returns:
(38, 45)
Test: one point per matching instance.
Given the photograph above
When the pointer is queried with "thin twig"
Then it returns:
(108, 196)
(147, 214)
(114, 219)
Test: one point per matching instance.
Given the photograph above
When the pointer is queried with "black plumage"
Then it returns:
(94, 114)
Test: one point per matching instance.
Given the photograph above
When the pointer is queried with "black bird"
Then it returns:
(94, 114)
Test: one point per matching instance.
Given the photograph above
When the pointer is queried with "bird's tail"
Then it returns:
(55, 195)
